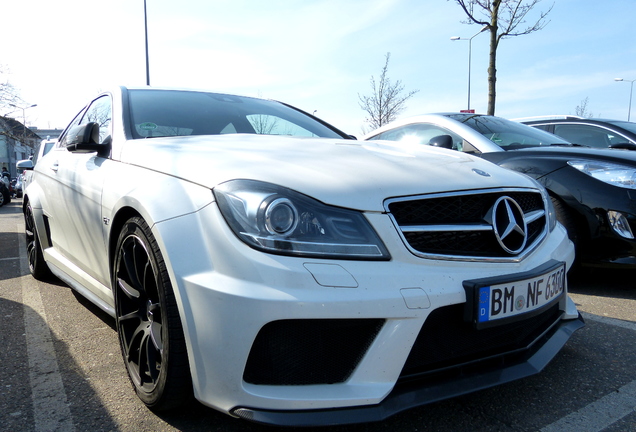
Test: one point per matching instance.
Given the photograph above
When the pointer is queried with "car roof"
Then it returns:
(570, 119)
(453, 120)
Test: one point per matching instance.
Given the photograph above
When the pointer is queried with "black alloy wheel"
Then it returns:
(37, 266)
(148, 323)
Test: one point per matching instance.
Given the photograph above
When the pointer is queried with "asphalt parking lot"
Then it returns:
(60, 367)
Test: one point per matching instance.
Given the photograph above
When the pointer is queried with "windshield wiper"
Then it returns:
(568, 145)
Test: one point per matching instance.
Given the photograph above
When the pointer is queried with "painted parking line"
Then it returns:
(611, 321)
(600, 414)
(51, 411)
(609, 409)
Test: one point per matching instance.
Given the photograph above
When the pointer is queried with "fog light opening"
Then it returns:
(619, 223)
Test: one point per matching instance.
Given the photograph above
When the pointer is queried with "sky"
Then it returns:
(318, 55)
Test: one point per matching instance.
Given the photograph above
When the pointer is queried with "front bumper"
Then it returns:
(411, 394)
(228, 293)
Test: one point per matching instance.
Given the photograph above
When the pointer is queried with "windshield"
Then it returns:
(160, 113)
(508, 134)
(630, 126)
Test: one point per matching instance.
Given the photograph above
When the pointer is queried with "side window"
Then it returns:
(542, 127)
(583, 134)
(61, 143)
(99, 112)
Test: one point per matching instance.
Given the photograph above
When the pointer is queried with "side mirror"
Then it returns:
(444, 141)
(85, 139)
(24, 165)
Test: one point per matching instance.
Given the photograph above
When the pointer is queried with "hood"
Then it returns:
(619, 156)
(345, 173)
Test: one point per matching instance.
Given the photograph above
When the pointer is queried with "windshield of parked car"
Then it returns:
(160, 113)
(508, 134)
(630, 126)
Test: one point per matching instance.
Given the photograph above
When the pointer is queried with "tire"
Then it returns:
(564, 216)
(2, 199)
(148, 324)
(37, 266)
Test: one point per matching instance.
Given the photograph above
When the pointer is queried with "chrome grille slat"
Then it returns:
(460, 225)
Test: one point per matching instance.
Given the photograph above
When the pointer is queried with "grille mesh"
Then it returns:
(312, 351)
(464, 210)
(446, 340)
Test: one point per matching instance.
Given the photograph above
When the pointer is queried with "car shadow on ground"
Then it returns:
(612, 283)
(16, 395)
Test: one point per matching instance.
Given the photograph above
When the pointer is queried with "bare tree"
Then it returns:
(387, 100)
(581, 110)
(8, 93)
(9, 129)
(502, 18)
(264, 124)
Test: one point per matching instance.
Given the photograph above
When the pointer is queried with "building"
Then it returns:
(47, 133)
(17, 142)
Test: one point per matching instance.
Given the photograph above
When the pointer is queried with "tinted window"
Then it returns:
(508, 134)
(584, 134)
(157, 113)
(630, 126)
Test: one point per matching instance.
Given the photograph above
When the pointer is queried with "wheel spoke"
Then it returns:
(127, 289)
(153, 359)
(129, 260)
(135, 315)
(155, 336)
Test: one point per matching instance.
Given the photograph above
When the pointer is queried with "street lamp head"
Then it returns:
(618, 79)
(455, 38)
(15, 106)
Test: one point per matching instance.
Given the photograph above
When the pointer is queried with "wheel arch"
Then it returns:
(116, 225)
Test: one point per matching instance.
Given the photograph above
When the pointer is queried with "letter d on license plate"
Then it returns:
(488, 301)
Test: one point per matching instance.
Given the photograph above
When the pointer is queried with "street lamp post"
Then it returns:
(146, 37)
(470, 40)
(23, 119)
(629, 110)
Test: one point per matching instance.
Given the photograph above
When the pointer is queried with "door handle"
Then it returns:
(55, 166)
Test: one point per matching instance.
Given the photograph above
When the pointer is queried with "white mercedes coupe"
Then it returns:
(278, 270)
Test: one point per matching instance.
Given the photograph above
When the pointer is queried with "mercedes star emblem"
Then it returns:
(509, 225)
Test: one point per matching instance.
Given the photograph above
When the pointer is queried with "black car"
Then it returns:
(591, 132)
(593, 190)
(5, 194)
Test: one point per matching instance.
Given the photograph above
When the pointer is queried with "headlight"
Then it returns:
(274, 219)
(616, 175)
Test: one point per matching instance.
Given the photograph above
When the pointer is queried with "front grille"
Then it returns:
(312, 351)
(457, 225)
(447, 341)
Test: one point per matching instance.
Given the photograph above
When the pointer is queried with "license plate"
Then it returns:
(529, 293)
